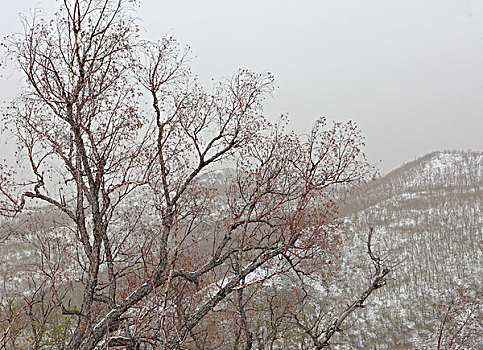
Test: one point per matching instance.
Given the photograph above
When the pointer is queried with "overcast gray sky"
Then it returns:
(409, 72)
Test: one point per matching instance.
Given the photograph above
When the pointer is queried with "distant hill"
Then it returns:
(429, 223)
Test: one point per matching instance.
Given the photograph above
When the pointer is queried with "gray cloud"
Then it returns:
(410, 73)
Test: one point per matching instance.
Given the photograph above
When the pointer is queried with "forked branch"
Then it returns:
(377, 281)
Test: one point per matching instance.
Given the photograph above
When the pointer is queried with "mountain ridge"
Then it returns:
(427, 215)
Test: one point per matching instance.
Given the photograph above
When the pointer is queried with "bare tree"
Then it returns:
(152, 249)
(460, 325)
(321, 333)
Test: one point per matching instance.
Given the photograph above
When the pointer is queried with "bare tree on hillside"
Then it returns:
(460, 324)
(151, 251)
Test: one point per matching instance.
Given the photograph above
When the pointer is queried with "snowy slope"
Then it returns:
(428, 221)
(429, 224)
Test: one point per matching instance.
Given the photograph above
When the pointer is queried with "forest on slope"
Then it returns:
(427, 222)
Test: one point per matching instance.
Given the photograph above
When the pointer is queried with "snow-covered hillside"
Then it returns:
(429, 224)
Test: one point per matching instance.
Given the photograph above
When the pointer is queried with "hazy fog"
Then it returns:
(410, 72)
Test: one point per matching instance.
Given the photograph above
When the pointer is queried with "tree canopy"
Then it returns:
(170, 215)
